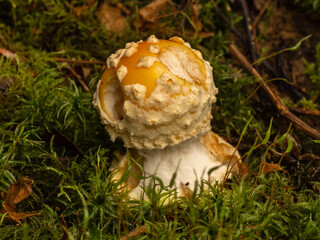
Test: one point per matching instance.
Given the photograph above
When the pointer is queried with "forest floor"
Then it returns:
(55, 155)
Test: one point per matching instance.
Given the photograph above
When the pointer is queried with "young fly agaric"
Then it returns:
(156, 95)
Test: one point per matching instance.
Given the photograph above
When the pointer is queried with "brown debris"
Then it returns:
(86, 71)
(17, 192)
(150, 12)
(270, 167)
(135, 232)
(9, 54)
(111, 18)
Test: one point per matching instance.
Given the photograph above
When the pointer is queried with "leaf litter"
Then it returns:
(17, 192)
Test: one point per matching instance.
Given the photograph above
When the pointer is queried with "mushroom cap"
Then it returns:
(156, 93)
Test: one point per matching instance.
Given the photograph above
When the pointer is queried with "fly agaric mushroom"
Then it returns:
(156, 95)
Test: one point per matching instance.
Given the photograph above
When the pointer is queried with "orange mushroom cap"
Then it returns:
(150, 84)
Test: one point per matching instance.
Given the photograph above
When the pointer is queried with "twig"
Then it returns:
(262, 11)
(251, 42)
(248, 25)
(274, 98)
(78, 61)
(79, 78)
(227, 21)
(61, 140)
(256, 20)
(306, 111)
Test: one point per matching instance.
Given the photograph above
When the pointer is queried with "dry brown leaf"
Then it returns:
(150, 12)
(86, 71)
(8, 54)
(111, 18)
(270, 167)
(17, 192)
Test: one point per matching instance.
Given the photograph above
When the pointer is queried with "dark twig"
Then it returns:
(250, 37)
(305, 111)
(62, 140)
(273, 96)
(248, 26)
(78, 61)
(256, 20)
(227, 21)
(78, 77)
(262, 11)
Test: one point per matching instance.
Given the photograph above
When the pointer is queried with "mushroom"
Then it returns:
(157, 95)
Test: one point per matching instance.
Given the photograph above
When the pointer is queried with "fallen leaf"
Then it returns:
(9, 54)
(270, 167)
(111, 18)
(150, 12)
(86, 71)
(17, 192)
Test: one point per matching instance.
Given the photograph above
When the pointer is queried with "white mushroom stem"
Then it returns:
(190, 161)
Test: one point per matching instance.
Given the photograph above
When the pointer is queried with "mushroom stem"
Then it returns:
(189, 161)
